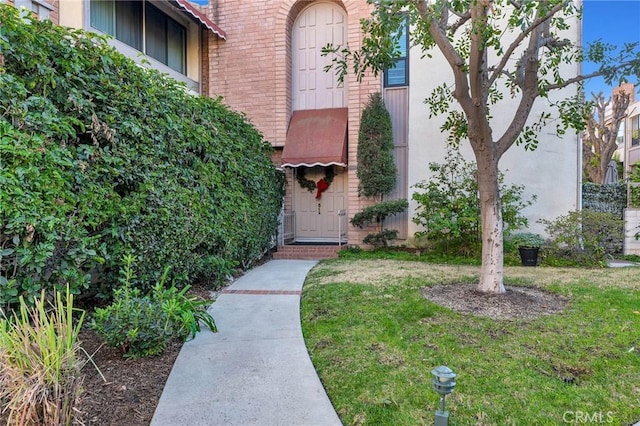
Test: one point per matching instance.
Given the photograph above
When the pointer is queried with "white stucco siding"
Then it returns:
(551, 172)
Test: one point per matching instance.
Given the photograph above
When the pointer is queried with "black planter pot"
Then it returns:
(529, 255)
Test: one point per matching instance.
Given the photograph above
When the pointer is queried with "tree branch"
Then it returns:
(580, 78)
(464, 18)
(477, 56)
(600, 136)
(529, 85)
(455, 61)
(523, 35)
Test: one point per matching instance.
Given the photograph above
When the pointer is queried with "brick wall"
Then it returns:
(54, 15)
(252, 71)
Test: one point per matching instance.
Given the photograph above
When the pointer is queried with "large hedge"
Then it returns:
(100, 157)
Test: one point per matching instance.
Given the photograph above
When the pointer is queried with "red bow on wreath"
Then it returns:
(322, 186)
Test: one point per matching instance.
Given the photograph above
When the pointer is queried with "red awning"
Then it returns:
(191, 10)
(316, 137)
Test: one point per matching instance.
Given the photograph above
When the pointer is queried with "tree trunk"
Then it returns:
(492, 270)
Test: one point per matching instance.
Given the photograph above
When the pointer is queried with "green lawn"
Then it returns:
(374, 339)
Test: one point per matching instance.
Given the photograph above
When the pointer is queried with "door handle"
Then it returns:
(318, 208)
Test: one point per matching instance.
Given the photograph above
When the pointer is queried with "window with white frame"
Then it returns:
(144, 27)
(635, 130)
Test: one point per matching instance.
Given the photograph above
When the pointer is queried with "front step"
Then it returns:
(307, 252)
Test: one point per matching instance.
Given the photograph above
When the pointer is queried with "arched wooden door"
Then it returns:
(315, 27)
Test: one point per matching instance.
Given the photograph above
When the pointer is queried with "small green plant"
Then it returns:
(377, 213)
(184, 313)
(449, 205)
(142, 326)
(381, 239)
(40, 380)
(352, 249)
(526, 239)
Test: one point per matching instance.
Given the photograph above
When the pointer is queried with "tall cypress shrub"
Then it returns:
(376, 170)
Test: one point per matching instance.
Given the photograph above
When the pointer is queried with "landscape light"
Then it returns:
(443, 382)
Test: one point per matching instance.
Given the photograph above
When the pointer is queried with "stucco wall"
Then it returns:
(631, 228)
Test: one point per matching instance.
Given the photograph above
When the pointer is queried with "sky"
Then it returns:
(615, 22)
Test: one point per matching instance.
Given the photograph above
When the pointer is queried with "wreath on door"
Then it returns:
(310, 185)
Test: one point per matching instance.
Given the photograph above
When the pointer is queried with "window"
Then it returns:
(144, 27)
(41, 8)
(398, 75)
(635, 131)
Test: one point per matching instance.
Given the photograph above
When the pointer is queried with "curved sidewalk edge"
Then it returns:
(255, 370)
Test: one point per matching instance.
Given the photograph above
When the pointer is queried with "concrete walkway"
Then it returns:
(255, 370)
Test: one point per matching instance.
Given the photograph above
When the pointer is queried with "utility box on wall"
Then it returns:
(631, 229)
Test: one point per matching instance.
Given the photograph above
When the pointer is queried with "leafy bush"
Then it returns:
(526, 239)
(376, 212)
(585, 237)
(449, 204)
(42, 235)
(184, 313)
(142, 326)
(101, 157)
(381, 239)
(40, 379)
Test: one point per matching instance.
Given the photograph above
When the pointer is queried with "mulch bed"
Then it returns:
(516, 303)
(129, 393)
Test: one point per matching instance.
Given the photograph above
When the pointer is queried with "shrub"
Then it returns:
(381, 239)
(526, 239)
(101, 157)
(39, 372)
(376, 171)
(43, 237)
(142, 326)
(375, 213)
(449, 205)
(585, 237)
